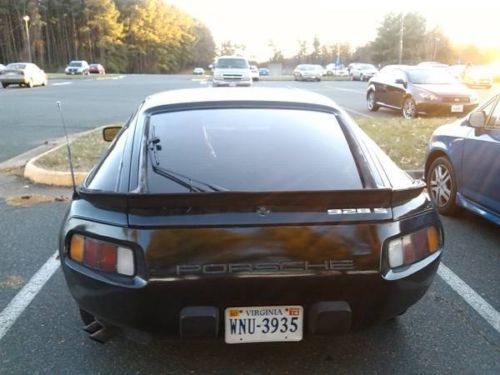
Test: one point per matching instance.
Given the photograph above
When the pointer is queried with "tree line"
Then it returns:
(419, 44)
(146, 36)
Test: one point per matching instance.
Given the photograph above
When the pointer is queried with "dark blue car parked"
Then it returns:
(462, 166)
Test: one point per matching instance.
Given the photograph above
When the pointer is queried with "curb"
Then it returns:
(44, 176)
(21, 160)
(47, 177)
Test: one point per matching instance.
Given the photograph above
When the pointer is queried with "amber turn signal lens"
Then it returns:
(76, 248)
(432, 239)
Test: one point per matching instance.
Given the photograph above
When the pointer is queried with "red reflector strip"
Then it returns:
(90, 253)
(100, 255)
(107, 258)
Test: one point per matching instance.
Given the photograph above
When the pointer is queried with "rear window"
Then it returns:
(430, 76)
(16, 66)
(252, 150)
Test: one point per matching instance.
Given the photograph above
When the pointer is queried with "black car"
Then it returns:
(417, 90)
(255, 215)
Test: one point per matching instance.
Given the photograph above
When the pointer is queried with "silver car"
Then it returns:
(23, 74)
(363, 72)
(308, 72)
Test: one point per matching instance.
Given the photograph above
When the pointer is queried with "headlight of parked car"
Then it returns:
(429, 96)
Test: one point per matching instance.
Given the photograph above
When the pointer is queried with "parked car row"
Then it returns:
(82, 67)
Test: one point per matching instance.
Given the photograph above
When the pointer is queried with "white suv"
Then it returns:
(231, 71)
(77, 67)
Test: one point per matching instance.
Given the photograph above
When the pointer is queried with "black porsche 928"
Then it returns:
(252, 215)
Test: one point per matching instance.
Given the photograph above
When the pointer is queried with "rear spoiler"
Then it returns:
(212, 202)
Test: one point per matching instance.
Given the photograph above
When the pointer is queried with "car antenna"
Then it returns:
(70, 160)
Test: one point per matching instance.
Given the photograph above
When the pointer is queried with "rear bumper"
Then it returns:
(14, 80)
(156, 306)
(220, 82)
(309, 78)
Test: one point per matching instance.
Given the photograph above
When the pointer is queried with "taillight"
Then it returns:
(101, 255)
(413, 247)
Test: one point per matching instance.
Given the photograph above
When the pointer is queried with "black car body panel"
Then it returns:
(393, 84)
(220, 249)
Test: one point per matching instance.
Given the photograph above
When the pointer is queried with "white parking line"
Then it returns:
(61, 83)
(474, 300)
(24, 297)
(348, 90)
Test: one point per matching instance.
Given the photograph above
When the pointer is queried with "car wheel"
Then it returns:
(5, 85)
(371, 102)
(409, 109)
(86, 317)
(442, 186)
(30, 84)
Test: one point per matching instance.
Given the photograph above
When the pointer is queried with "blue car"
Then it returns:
(462, 166)
(264, 71)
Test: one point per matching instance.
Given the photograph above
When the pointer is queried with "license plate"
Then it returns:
(457, 108)
(263, 324)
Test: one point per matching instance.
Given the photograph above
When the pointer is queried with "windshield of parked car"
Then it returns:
(16, 66)
(430, 76)
(253, 150)
(75, 63)
(230, 63)
(306, 67)
(479, 70)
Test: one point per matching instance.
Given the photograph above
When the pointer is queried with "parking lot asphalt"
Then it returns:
(28, 117)
(442, 333)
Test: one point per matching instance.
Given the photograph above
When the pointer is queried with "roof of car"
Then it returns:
(231, 57)
(235, 94)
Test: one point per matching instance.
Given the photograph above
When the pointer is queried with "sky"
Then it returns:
(255, 23)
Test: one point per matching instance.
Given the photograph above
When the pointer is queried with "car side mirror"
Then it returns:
(400, 81)
(477, 119)
(109, 132)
